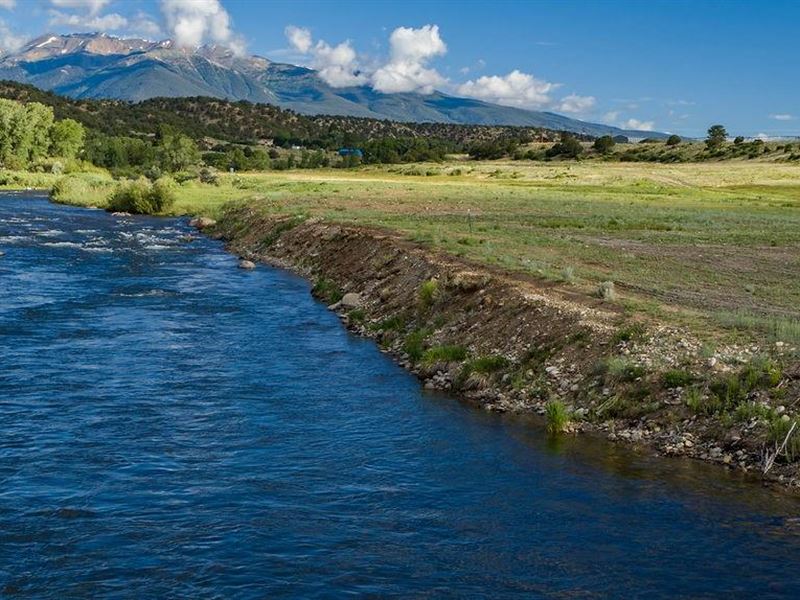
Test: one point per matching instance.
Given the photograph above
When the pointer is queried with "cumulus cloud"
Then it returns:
(9, 41)
(515, 89)
(299, 38)
(85, 14)
(7, 4)
(637, 124)
(782, 117)
(107, 22)
(336, 65)
(576, 104)
(407, 69)
(194, 22)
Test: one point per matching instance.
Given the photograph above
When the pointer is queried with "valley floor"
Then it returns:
(714, 246)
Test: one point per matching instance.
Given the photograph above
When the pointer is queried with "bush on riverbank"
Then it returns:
(142, 197)
(82, 189)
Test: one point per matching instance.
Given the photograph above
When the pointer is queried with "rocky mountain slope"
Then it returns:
(101, 66)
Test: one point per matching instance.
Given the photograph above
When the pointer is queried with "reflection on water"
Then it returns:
(171, 426)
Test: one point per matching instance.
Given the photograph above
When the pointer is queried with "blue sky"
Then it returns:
(673, 66)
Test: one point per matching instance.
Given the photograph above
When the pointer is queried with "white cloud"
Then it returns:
(194, 22)
(611, 117)
(336, 65)
(299, 38)
(782, 117)
(144, 25)
(576, 104)
(108, 22)
(9, 41)
(637, 124)
(92, 7)
(407, 69)
(515, 89)
(7, 4)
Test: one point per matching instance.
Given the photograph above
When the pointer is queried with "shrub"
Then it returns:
(733, 389)
(82, 188)
(604, 144)
(778, 430)
(673, 140)
(486, 365)
(429, 292)
(676, 378)
(327, 291)
(606, 291)
(568, 274)
(568, 147)
(357, 315)
(619, 370)
(209, 175)
(443, 354)
(633, 331)
(395, 323)
(701, 405)
(558, 417)
(142, 197)
(414, 344)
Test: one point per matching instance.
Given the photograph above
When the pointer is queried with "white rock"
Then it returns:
(350, 300)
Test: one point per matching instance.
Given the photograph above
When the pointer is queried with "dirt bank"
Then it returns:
(511, 343)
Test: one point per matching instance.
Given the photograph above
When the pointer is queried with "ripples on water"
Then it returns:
(171, 426)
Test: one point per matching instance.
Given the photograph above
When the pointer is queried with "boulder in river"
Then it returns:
(202, 222)
(248, 265)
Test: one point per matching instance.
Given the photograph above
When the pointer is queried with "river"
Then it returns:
(172, 426)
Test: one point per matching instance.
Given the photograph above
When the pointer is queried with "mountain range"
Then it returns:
(95, 65)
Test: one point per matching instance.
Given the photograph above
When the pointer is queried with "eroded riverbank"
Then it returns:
(508, 343)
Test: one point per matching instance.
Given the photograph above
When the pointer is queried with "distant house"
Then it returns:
(351, 152)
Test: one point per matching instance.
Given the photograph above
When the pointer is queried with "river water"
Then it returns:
(171, 426)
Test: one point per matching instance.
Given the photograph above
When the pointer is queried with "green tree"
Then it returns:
(568, 147)
(40, 121)
(177, 151)
(716, 136)
(674, 140)
(66, 138)
(604, 144)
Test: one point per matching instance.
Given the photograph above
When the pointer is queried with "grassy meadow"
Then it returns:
(713, 245)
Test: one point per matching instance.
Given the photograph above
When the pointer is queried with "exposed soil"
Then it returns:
(513, 343)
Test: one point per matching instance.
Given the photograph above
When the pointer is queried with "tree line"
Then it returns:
(29, 132)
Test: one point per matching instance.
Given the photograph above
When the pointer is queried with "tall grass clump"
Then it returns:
(778, 431)
(327, 291)
(428, 293)
(616, 369)
(414, 344)
(444, 354)
(142, 197)
(558, 417)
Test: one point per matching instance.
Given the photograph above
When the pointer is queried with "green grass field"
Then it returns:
(715, 246)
